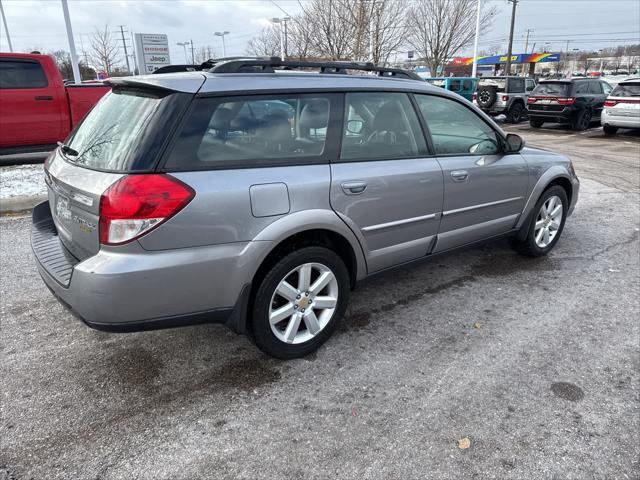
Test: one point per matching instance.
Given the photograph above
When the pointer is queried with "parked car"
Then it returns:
(38, 109)
(181, 199)
(504, 96)
(463, 86)
(576, 101)
(622, 107)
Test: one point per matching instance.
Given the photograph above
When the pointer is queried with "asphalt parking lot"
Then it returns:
(535, 362)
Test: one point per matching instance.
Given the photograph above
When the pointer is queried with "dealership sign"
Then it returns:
(152, 52)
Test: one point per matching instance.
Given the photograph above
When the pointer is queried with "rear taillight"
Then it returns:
(475, 95)
(613, 103)
(566, 101)
(504, 98)
(136, 204)
(610, 103)
(532, 100)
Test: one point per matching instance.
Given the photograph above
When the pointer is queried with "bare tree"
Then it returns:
(105, 52)
(204, 53)
(438, 29)
(267, 44)
(329, 27)
(62, 58)
(387, 28)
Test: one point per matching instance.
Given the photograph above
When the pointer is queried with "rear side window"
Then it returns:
(595, 88)
(454, 85)
(21, 74)
(516, 85)
(227, 132)
(530, 85)
(380, 126)
(551, 89)
(581, 88)
(626, 90)
(455, 129)
(125, 130)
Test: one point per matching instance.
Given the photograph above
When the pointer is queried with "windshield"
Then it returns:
(555, 89)
(113, 132)
(627, 90)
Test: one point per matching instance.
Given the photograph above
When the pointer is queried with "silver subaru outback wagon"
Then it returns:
(258, 196)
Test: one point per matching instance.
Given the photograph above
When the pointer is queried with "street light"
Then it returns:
(184, 45)
(283, 35)
(222, 34)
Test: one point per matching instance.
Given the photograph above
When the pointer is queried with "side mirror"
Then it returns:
(513, 144)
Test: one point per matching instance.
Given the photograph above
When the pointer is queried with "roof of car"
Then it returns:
(205, 82)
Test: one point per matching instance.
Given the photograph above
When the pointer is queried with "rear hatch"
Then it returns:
(124, 134)
(624, 100)
(550, 96)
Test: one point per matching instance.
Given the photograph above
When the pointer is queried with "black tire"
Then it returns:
(263, 336)
(528, 246)
(535, 123)
(486, 96)
(582, 120)
(609, 130)
(515, 113)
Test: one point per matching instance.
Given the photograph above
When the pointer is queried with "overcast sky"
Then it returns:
(589, 24)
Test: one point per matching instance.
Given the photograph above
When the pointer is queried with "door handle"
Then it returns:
(354, 188)
(459, 175)
(43, 97)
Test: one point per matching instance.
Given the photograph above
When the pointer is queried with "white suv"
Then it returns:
(622, 107)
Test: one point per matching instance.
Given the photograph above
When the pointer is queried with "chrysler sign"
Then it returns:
(152, 52)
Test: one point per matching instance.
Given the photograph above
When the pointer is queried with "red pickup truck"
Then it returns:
(36, 108)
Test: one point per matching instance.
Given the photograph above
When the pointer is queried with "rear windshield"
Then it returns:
(554, 89)
(627, 90)
(122, 131)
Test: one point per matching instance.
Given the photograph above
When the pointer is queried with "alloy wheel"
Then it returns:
(548, 221)
(303, 303)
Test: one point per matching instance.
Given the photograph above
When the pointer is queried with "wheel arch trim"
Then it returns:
(541, 185)
(315, 219)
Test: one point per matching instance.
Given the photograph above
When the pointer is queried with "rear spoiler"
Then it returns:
(170, 83)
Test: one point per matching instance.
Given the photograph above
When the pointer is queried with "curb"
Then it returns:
(20, 203)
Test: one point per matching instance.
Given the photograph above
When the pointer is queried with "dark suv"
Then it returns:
(504, 96)
(576, 101)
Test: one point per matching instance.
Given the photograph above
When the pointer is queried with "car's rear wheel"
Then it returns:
(515, 113)
(547, 223)
(609, 130)
(300, 302)
(535, 123)
(582, 120)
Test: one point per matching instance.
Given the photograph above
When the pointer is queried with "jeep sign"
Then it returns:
(152, 52)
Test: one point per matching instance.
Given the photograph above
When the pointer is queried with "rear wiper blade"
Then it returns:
(67, 150)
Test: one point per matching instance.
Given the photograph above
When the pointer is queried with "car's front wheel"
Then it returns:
(547, 223)
(300, 302)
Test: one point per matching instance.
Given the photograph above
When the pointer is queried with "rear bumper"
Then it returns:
(619, 120)
(135, 289)
(563, 115)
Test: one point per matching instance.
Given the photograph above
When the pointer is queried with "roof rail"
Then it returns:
(206, 65)
(270, 64)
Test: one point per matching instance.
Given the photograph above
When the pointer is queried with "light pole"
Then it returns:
(282, 22)
(6, 29)
(184, 46)
(72, 46)
(222, 34)
(474, 70)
